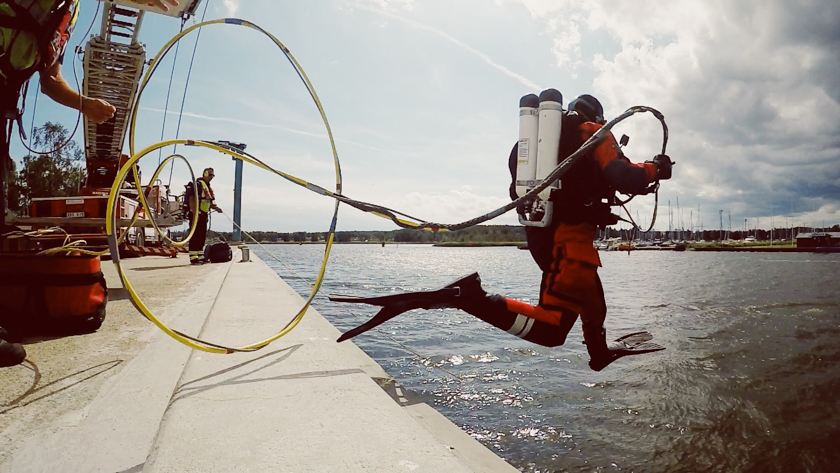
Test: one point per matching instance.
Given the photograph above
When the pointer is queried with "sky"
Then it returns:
(422, 100)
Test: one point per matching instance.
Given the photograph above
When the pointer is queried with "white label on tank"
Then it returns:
(75, 214)
(523, 150)
(74, 201)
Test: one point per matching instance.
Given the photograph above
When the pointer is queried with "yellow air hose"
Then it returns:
(384, 212)
(130, 165)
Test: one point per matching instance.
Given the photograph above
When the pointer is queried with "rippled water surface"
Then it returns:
(750, 379)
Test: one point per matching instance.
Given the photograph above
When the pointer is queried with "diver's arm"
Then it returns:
(629, 178)
(56, 88)
(621, 174)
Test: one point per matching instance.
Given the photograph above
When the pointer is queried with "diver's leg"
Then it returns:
(592, 317)
(503, 313)
(600, 354)
(544, 326)
(575, 285)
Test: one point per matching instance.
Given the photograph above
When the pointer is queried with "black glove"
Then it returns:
(663, 165)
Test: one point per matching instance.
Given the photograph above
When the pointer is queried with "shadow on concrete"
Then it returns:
(187, 389)
(118, 294)
(135, 469)
(400, 394)
(55, 334)
(157, 268)
(88, 373)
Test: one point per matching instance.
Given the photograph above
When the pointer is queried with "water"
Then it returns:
(750, 379)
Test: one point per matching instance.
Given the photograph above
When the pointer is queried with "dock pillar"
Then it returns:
(237, 202)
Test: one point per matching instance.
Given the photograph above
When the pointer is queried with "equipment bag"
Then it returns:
(218, 252)
(51, 295)
(189, 194)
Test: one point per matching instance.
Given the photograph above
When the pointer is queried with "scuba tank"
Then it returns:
(551, 121)
(540, 126)
(526, 160)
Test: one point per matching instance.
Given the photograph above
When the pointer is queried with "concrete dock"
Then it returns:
(128, 398)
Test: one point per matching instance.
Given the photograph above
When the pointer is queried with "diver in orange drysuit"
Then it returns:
(564, 251)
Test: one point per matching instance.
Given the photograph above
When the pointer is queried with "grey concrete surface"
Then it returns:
(304, 403)
(94, 402)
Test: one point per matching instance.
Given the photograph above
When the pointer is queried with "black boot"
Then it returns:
(595, 338)
(600, 356)
(11, 354)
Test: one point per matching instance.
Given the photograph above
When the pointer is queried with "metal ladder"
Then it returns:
(113, 64)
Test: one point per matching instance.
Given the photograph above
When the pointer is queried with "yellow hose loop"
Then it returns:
(111, 226)
(136, 300)
(150, 214)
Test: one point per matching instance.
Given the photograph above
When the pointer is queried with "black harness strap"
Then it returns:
(24, 21)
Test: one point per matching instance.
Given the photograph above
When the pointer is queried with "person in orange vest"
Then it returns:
(564, 251)
(33, 38)
(206, 202)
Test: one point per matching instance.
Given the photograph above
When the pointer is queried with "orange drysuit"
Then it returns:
(564, 250)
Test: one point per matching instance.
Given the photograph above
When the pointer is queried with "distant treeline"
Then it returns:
(504, 234)
(477, 234)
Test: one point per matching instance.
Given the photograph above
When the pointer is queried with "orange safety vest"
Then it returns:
(33, 36)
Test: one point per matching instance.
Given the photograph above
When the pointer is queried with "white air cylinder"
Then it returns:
(548, 147)
(526, 159)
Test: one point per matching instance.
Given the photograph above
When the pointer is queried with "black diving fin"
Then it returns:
(637, 343)
(396, 304)
(634, 339)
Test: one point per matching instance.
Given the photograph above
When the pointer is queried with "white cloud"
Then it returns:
(750, 91)
(542, 8)
(406, 5)
(272, 125)
(481, 55)
(453, 207)
(567, 45)
(237, 121)
(231, 7)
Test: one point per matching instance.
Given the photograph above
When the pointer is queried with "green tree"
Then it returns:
(14, 199)
(56, 174)
(343, 237)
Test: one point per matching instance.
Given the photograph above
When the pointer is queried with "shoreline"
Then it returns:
(523, 245)
(770, 249)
